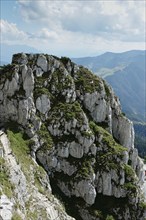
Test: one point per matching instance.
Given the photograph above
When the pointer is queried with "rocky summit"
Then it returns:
(66, 149)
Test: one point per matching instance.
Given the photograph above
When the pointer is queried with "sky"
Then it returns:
(74, 28)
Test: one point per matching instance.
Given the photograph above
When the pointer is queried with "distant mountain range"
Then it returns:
(126, 73)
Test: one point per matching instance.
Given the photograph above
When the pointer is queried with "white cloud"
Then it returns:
(10, 33)
(46, 34)
(78, 28)
(123, 20)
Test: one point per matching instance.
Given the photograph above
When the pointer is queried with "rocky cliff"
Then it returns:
(70, 122)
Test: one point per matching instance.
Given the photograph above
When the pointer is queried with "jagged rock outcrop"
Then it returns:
(78, 134)
(25, 193)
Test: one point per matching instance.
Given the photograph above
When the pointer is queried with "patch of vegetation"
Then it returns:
(87, 81)
(109, 151)
(67, 110)
(65, 60)
(40, 91)
(110, 217)
(86, 169)
(34, 211)
(143, 205)
(129, 172)
(19, 146)
(97, 213)
(60, 81)
(7, 186)
(33, 215)
(16, 216)
(130, 187)
(45, 137)
(107, 139)
(7, 72)
(87, 134)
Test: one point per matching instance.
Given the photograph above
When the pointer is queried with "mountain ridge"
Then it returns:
(76, 130)
(130, 61)
(125, 72)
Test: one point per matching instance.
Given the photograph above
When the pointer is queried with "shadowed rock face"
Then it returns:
(78, 133)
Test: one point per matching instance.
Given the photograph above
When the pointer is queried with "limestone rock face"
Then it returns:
(76, 150)
(28, 82)
(27, 194)
(123, 131)
(86, 190)
(79, 135)
(43, 104)
(42, 62)
(6, 208)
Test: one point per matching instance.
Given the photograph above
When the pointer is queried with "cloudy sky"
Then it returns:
(74, 28)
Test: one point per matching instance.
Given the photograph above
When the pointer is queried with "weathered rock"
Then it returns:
(28, 82)
(76, 150)
(123, 131)
(6, 206)
(13, 85)
(85, 190)
(43, 104)
(42, 62)
(66, 167)
(70, 117)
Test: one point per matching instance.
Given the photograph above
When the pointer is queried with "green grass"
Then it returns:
(46, 138)
(130, 187)
(96, 213)
(69, 111)
(60, 81)
(16, 216)
(111, 152)
(110, 217)
(130, 173)
(143, 205)
(65, 60)
(108, 140)
(87, 134)
(40, 91)
(39, 175)
(21, 150)
(6, 185)
(7, 72)
(86, 169)
(87, 81)
(34, 212)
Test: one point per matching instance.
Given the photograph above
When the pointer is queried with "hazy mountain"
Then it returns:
(109, 59)
(125, 72)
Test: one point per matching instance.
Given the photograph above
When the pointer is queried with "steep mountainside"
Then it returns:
(125, 72)
(64, 118)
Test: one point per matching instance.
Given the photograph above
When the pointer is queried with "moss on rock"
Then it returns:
(87, 81)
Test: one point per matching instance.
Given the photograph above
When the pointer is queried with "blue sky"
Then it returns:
(72, 28)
